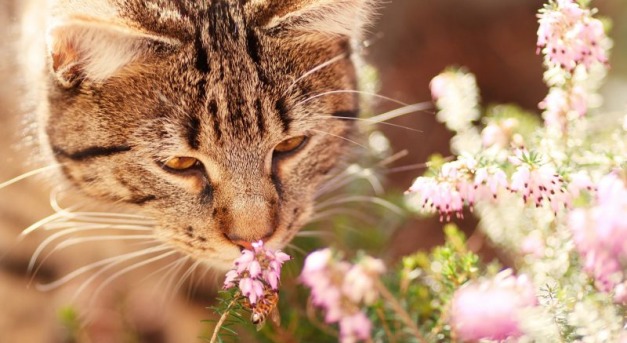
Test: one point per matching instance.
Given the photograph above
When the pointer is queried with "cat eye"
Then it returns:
(290, 144)
(181, 163)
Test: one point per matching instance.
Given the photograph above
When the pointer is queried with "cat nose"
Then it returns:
(243, 243)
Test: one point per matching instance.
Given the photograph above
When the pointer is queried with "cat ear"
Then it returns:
(85, 48)
(334, 17)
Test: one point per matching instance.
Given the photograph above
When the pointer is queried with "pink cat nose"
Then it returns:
(245, 244)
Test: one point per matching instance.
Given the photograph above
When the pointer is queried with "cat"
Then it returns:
(219, 119)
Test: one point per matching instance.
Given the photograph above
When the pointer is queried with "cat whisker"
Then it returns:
(108, 262)
(42, 246)
(49, 219)
(355, 172)
(340, 91)
(184, 277)
(170, 267)
(359, 198)
(315, 69)
(407, 109)
(314, 234)
(296, 249)
(370, 121)
(174, 271)
(119, 273)
(28, 174)
(328, 214)
(340, 137)
(95, 226)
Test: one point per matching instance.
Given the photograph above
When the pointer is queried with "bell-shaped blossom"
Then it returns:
(491, 309)
(256, 271)
(569, 36)
(459, 183)
(457, 98)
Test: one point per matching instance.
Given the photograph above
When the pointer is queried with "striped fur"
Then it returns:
(215, 80)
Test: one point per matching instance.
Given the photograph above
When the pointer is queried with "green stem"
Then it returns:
(398, 309)
(221, 321)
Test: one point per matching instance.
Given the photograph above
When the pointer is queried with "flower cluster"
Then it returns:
(456, 95)
(256, 271)
(491, 309)
(569, 36)
(340, 288)
(600, 235)
(458, 183)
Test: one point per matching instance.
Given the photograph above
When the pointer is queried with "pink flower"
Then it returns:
(600, 234)
(569, 36)
(354, 328)
(539, 182)
(340, 289)
(459, 183)
(561, 104)
(490, 309)
(255, 271)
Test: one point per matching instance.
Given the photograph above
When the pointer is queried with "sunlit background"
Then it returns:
(412, 42)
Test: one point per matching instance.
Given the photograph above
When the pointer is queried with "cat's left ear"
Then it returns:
(332, 17)
(85, 48)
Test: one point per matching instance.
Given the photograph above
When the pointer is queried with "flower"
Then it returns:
(600, 235)
(256, 271)
(490, 309)
(341, 288)
(458, 183)
(538, 182)
(457, 96)
(569, 36)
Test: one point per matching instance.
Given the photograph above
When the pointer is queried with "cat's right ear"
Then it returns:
(86, 48)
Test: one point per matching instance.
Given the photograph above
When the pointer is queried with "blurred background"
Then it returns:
(412, 42)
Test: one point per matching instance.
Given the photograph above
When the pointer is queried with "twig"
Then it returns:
(388, 332)
(221, 321)
(396, 306)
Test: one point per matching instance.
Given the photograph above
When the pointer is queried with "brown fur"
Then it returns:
(213, 80)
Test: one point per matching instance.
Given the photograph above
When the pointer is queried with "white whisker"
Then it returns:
(111, 261)
(184, 277)
(296, 249)
(27, 175)
(95, 226)
(120, 273)
(340, 137)
(314, 234)
(49, 219)
(370, 121)
(315, 69)
(320, 216)
(340, 91)
(80, 240)
(360, 198)
(407, 109)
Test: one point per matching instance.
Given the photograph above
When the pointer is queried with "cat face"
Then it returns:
(220, 119)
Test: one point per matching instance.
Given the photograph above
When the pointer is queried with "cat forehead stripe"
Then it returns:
(91, 152)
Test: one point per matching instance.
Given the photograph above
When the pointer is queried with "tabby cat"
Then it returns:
(218, 118)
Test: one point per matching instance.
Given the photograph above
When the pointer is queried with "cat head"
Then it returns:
(219, 118)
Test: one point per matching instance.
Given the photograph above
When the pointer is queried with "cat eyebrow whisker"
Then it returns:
(370, 121)
(340, 91)
(340, 137)
(315, 69)
(108, 263)
(29, 174)
(407, 109)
